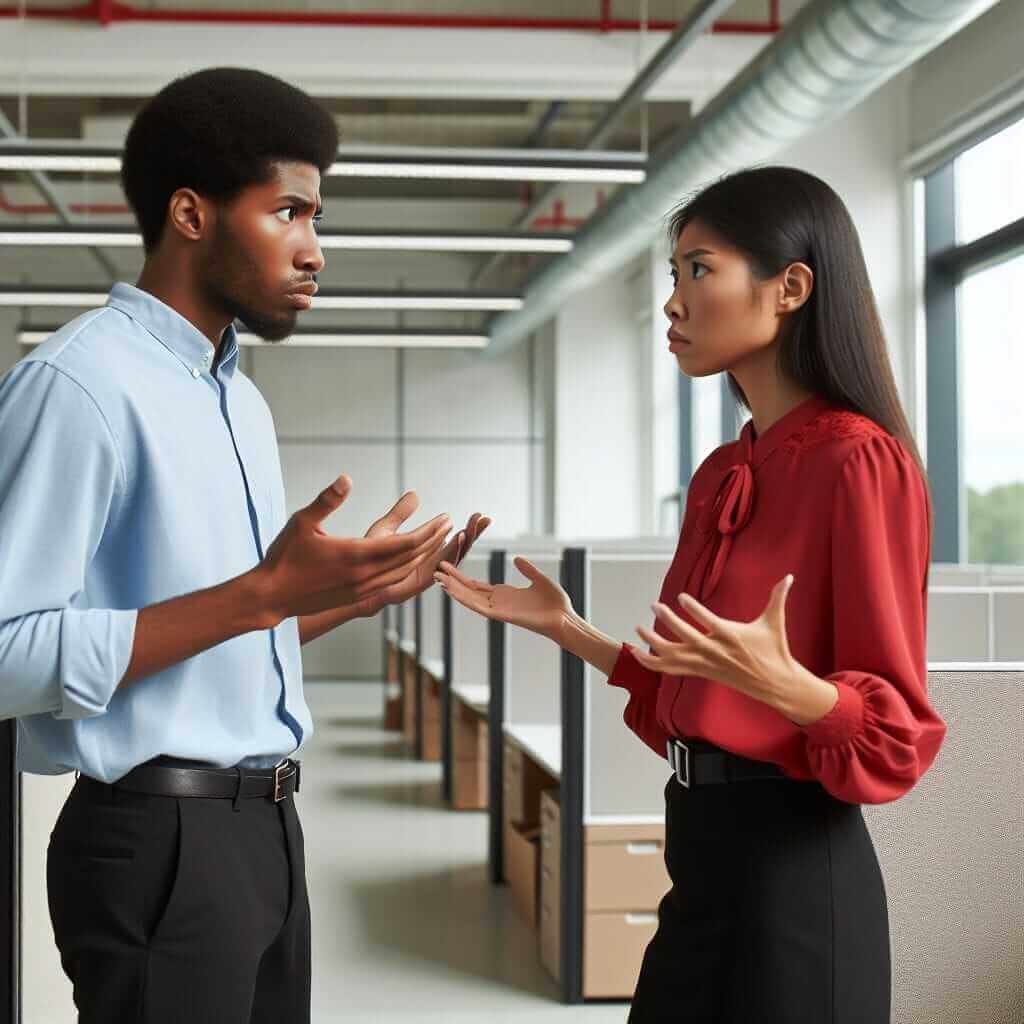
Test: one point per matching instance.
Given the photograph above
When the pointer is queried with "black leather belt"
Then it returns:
(698, 763)
(236, 784)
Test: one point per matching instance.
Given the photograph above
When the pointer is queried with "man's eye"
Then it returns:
(317, 222)
(695, 265)
(288, 214)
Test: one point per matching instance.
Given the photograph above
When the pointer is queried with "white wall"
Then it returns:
(597, 374)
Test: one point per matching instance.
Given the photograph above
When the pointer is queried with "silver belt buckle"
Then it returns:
(680, 765)
(281, 775)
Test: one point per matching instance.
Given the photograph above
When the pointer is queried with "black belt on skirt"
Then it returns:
(697, 763)
(163, 777)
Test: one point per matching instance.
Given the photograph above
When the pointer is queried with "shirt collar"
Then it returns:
(177, 334)
(756, 450)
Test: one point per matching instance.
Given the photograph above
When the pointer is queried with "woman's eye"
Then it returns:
(288, 214)
(317, 223)
(695, 265)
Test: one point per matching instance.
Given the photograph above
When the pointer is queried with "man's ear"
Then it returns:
(795, 288)
(189, 214)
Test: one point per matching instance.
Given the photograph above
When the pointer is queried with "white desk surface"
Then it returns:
(477, 697)
(391, 636)
(408, 647)
(435, 666)
(543, 743)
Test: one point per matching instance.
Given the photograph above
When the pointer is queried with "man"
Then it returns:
(152, 597)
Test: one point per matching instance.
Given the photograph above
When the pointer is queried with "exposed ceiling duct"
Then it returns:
(833, 55)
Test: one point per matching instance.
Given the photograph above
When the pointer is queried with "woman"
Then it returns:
(788, 648)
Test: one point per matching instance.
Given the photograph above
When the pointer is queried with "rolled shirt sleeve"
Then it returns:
(882, 734)
(61, 479)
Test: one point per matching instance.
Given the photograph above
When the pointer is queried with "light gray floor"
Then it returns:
(406, 926)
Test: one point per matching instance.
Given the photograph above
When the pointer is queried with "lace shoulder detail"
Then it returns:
(834, 424)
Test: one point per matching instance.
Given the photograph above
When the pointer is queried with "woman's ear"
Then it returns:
(796, 287)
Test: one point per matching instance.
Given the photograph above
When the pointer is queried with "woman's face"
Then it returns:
(720, 314)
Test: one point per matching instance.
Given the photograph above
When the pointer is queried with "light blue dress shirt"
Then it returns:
(130, 474)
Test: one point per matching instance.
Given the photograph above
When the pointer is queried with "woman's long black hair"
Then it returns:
(833, 345)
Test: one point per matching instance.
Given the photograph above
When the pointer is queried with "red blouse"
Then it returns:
(831, 497)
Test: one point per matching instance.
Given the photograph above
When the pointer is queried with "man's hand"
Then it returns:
(422, 575)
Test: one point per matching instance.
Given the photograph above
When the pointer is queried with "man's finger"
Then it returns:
(398, 573)
(372, 550)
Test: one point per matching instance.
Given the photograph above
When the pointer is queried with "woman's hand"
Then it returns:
(541, 607)
(752, 657)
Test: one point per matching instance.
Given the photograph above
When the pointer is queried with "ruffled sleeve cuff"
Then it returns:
(627, 672)
(844, 721)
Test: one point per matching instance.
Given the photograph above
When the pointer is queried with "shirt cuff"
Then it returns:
(842, 722)
(628, 673)
(95, 650)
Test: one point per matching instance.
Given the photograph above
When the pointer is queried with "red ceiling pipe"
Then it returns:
(108, 12)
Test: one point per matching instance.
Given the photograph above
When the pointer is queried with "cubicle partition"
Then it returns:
(465, 752)
(975, 623)
(430, 674)
(575, 781)
(952, 855)
(964, 574)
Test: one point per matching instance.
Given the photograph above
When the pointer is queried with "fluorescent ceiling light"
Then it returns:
(334, 339)
(54, 298)
(68, 155)
(461, 302)
(59, 237)
(487, 172)
(412, 242)
(454, 302)
(448, 243)
(55, 162)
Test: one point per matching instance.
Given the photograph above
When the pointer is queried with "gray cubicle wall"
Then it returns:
(976, 574)
(952, 855)
(469, 630)
(624, 779)
(431, 647)
(532, 662)
(975, 623)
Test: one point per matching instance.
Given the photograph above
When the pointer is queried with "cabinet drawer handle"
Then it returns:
(641, 919)
(642, 848)
(547, 873)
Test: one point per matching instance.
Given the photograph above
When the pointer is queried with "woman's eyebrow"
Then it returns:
(697, 252)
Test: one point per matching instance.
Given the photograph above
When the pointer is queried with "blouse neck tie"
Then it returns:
(732, 506)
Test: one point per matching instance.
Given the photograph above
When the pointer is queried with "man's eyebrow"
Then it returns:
(303, 201)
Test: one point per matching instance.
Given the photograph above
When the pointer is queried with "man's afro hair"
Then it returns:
(218, 131)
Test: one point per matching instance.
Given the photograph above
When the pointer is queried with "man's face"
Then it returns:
(264, 251)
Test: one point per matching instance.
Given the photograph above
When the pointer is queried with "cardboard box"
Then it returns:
(522, 870)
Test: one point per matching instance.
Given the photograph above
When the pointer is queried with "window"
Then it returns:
(974, 292)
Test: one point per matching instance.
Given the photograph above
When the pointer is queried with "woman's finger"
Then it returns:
(464, 595)
(682, 629)
(664, 648)
(705, 617)
(466, 581)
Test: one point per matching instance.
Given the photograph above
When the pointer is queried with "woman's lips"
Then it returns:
(676, 343)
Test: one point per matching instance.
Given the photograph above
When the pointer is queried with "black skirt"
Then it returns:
(777, 912)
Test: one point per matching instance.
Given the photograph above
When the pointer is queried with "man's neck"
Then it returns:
(173, 287)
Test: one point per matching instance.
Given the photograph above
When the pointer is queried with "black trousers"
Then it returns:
(170, 910)
(777, 912)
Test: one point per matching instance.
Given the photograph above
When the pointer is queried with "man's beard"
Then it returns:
(228, 280)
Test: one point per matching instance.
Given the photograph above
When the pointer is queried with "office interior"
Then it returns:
(484, 837)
